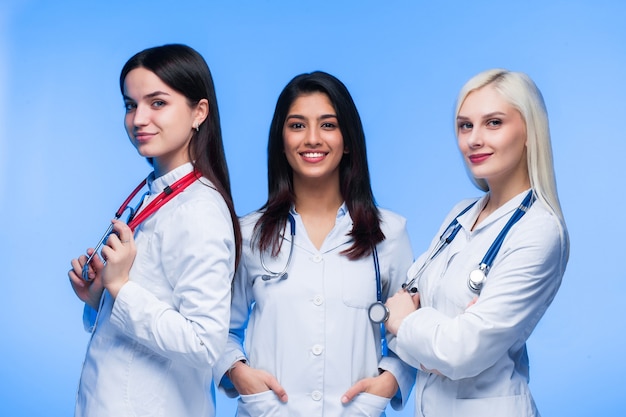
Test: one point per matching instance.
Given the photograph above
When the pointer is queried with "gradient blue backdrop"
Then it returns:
(66, 164)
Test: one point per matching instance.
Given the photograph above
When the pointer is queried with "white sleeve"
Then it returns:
(520, 287)
(198, 256)
(240, 314)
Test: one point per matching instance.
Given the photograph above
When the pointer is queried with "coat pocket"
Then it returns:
(366, 405)
(261, 404)
(509, 406)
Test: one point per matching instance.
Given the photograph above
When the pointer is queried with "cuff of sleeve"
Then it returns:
(220, 372)
(120, 312)
(405, 377)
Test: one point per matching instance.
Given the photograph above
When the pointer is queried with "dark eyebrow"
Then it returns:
(322, 117)
(155, 94)
(151, 95)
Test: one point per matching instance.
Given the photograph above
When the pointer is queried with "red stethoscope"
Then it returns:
(166, 195)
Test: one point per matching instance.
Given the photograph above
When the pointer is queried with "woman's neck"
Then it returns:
(317, 206)
(318, 203)
(498, 196)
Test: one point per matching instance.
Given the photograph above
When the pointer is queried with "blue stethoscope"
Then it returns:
(477, 277)
(379, 313)
(374, 309)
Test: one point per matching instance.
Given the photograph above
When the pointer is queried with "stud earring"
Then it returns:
(196, 126)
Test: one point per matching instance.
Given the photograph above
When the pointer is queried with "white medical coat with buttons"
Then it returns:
(311, 330)
(152, 348)
(481, 350)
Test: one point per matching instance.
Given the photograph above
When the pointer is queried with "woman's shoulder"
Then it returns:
(391, 222)
(250, 218)
(543, 223)
(203, 194)
(541, 230)
(248, 222)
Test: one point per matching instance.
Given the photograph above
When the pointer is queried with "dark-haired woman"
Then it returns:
(158, 298)
(310, 347)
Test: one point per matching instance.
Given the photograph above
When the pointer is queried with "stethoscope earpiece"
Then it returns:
(275, 276)
(409, 288)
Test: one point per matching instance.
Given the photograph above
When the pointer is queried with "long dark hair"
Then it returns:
(184, 70)
(354, 175)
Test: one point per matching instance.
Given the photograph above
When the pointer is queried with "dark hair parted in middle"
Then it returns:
(354, 175)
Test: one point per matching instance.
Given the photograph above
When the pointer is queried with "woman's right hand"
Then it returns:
(400, 305)
(248, 381)
(88, 291)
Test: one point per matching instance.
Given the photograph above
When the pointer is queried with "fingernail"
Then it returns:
(344, 399)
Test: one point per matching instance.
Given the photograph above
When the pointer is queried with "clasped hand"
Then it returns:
(118, 253)
(400, 305)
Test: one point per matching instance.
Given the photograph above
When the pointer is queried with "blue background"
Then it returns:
(66, 164)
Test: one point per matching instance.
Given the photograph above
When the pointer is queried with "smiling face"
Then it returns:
(313, 143)
(492, 138)
(159, 120)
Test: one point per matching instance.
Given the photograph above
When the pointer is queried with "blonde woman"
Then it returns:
(473, 299)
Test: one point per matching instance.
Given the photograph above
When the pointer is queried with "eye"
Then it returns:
(158, 103)
(494, 122)
(329, 125)
(129, 106)
(465, 126)
(296, 125)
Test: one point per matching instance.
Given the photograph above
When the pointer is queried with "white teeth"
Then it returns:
(313, 154)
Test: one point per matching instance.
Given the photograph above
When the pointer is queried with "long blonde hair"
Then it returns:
(522, 93)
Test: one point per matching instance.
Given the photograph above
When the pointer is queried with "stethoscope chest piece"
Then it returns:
(378, 312)
(477, 279)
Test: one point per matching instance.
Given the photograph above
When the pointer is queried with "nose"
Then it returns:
(140, 116)
(474, 139)
(313, 137)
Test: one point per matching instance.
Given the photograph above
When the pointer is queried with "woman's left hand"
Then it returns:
(119, 254)
(400, 305)
(384, 385)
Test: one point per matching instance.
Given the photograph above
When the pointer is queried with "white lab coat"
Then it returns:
(481, 350)
(152, 349)
(312, 329)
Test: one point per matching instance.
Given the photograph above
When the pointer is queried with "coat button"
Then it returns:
(316, 395)
(317, 350)
(318, 300)
(317, 258)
